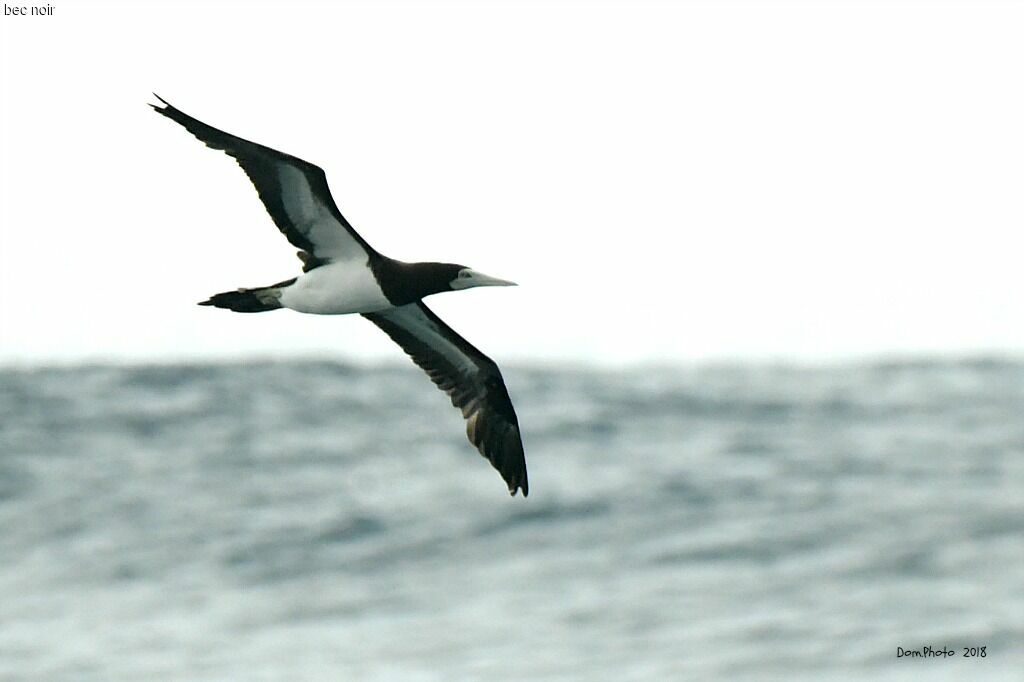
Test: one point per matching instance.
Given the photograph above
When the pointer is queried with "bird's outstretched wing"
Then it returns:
(471, 380)
(294, 191)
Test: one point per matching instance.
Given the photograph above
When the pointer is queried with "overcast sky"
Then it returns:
(692, 181)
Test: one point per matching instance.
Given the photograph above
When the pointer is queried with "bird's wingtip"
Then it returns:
(516, 487)
(162, 107)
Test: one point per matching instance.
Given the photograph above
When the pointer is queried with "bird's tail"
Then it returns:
(257, 300)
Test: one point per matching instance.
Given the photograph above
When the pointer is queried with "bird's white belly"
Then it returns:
(336, 289)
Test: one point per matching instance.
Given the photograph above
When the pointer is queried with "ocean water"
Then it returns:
(321, 521)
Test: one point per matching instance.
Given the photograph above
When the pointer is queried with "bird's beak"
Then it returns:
(482, 280)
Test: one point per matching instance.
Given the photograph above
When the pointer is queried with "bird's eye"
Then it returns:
(463, 275)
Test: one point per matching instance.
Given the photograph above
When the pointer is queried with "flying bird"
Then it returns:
(343, 274)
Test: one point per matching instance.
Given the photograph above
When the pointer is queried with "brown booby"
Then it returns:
(343, 274)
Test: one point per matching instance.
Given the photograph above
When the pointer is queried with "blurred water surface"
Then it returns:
(322, 521)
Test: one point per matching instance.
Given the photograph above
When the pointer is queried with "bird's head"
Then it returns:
(467, 278)
(417, 280)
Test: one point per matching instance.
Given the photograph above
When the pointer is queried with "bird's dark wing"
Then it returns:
(294, 191)
(471, 380)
